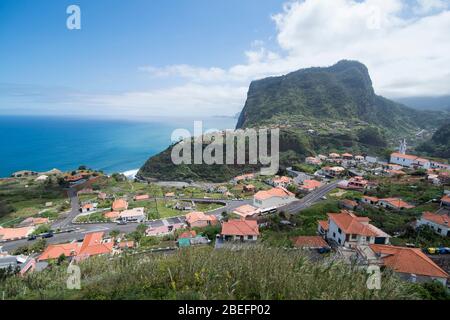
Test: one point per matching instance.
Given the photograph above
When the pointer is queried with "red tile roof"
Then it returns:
(408, 260)
(279, 192)
(403, 156)
(91, 245)
(311, 184)
(351, 224)
(141, 197)
(54, 251)
(14, 233)
(188, 234)
(441, 219)
(119, 205)
(324, 224)
(398, 203)
(193, 217)
(373, 199)
(240, 228)
(309, 241)
(446, 199)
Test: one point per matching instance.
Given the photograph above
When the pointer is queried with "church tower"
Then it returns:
(402, 148)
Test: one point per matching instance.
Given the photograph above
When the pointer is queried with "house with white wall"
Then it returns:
(275, 197)
(410, 161)
(240, 230)
(438, 222)
(349, 230)
(410, 264)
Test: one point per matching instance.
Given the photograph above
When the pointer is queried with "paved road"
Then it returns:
(230, 205)
(310, 199)
(75, 210)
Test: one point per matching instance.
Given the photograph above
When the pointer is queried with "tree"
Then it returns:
(114, 233)
(61, 259)
(141, 228)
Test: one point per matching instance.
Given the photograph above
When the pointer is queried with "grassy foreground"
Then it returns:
(204, 273)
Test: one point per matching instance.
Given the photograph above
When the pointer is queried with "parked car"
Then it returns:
(47, 235)
(121, 222)
(32, 237)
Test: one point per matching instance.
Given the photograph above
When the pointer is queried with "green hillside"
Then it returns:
(208, 274)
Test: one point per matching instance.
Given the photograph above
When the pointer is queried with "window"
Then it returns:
(334, 234)
(339, 230)
(250, 237)
(439, 230)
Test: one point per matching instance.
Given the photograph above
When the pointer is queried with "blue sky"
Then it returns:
(174, 57)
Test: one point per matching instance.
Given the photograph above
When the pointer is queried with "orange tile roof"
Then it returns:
(246, 210)
(119, 205)
(112, 215)
(373, 199)
(87, 206)
(408, 260)
(347, 155)
(441, 219)
(274, 192)
(324, 224)
(194, 216)
(240, 228)
(311, 184)
(398, 172)
(13, 233)
(351, 224)
(91, 245)
(398, 203)
(403, 156)
(309, 241)
(334, 155)
(54, 251)
(141, 197)
(282, 179)
(244, 176)
(446, 199)
(126, 244)
(188, 234)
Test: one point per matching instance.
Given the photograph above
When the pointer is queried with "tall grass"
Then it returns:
(204, 273)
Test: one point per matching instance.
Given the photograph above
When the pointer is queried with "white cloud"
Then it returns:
(405, 44)
(427, 6)
(407, 53)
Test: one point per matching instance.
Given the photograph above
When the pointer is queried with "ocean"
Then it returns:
(44, 143)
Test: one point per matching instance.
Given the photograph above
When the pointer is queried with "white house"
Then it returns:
(394, 204)
(133, 215)
(281, 181)
(275, 197)
(88, 207)
(410, 161)
(240, 230)
(438, 222)
(348, 230)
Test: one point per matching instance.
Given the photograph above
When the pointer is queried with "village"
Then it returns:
(356, 208)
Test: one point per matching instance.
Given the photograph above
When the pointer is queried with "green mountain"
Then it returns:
(318, 110)
(439, 145)
(341, 92)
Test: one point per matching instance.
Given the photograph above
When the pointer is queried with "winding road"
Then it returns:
(79, 230)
